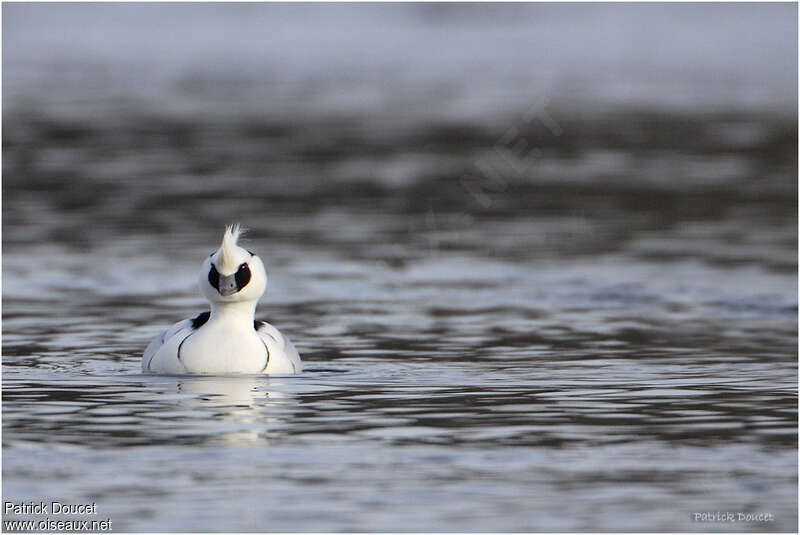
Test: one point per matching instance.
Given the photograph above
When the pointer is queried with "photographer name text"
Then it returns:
(52, 508)
(55, 509)
(732, 516)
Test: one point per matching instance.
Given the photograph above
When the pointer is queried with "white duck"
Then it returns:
(226, 340)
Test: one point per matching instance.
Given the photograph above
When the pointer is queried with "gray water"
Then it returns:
(540, 262)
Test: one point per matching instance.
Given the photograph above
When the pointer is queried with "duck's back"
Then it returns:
(283, 357)
(161, 355)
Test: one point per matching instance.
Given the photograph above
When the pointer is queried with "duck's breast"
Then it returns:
(220, 348)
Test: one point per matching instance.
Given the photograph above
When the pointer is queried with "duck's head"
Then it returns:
(232, 274)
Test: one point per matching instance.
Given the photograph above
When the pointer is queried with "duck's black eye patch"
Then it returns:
(213, 277)
(242, 276)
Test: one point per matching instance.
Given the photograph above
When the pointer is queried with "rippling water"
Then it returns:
(524, 305)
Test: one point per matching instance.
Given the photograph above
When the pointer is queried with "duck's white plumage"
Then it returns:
(225, 340)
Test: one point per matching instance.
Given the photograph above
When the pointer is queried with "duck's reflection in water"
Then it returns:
(245, 409)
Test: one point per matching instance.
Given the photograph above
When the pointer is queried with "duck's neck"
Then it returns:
(240, 310)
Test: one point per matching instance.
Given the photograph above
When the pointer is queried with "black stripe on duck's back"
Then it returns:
(258, 323)
(200, 320)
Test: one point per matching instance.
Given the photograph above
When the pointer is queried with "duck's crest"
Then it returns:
(227, 251)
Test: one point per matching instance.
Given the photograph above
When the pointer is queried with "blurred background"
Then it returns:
(530, 252)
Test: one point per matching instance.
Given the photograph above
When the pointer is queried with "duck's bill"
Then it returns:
(227, 285)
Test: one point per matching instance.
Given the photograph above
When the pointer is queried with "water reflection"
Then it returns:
(222, 392)
(246, 410)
